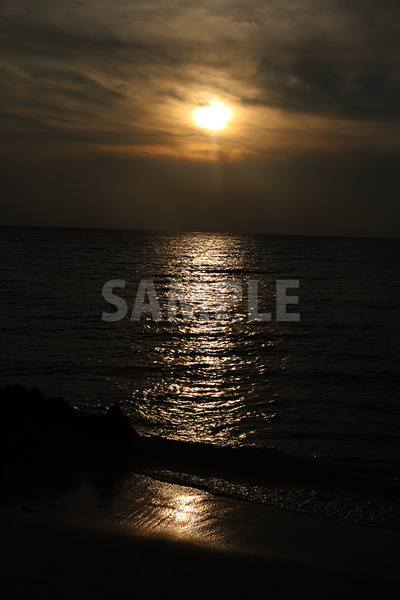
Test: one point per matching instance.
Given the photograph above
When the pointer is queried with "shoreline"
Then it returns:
(81, 522)
(44, 437)
(168, 528)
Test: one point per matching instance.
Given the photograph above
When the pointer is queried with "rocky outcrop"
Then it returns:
(39, 433)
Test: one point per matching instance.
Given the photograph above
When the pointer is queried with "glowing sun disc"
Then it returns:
(212, 117)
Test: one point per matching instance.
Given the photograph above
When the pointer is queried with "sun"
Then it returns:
(214, 116)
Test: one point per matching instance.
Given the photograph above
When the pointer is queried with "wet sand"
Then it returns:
(147, 536)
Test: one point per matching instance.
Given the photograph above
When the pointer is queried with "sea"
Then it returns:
(267, 367)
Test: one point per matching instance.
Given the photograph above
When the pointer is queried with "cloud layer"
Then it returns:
(305, 79)
(128, 73)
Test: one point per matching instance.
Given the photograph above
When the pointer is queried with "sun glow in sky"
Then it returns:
(213, 117)
(268, 116)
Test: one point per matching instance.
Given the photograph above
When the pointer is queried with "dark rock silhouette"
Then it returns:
(39, 433)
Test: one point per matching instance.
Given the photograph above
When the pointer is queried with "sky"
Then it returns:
(97, 115)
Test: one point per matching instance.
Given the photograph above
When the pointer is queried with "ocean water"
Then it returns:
(300, 414)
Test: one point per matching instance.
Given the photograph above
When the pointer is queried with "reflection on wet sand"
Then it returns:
(145, 508)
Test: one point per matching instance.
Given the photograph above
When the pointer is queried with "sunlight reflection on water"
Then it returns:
(303, 388)
(201, 387)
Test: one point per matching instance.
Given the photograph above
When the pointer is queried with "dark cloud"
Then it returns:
(347, 67)
(325, 86)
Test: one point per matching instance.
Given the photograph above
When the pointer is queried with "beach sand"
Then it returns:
(149, 536)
